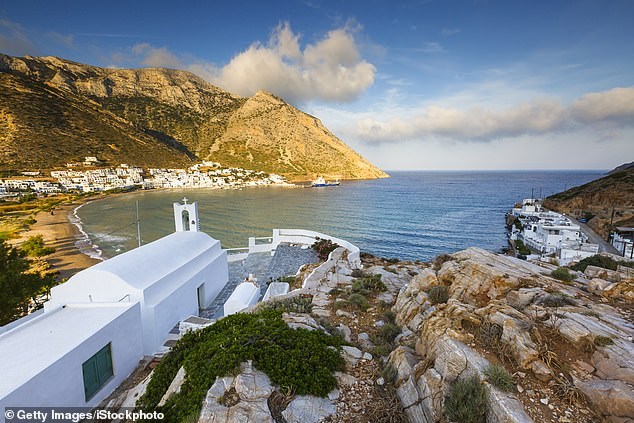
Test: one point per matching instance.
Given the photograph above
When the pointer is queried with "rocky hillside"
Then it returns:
(598, 200)
(60, 111)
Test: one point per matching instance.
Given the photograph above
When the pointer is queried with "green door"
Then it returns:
(97, 370)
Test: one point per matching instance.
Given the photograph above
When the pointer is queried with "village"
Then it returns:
(93, 178)
(542, 234)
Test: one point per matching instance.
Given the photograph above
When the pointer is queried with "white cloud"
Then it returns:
(330, 69)
(447, 32)
(156, 56)
(541, 116)
(617, 103)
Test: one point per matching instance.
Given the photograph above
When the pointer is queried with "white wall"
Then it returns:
(62, 383)
(175, 297)
(243, 296)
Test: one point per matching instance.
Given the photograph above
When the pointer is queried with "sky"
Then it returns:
(411, 85)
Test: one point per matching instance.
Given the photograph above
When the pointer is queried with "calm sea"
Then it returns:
(412, 215)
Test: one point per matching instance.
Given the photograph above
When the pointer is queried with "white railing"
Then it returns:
(292, 236)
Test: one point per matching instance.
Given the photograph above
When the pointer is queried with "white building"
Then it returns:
(99, 324)
(623, 241)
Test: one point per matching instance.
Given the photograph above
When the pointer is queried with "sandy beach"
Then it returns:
(60, 233)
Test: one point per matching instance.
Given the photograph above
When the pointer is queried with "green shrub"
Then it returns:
(557, 299)
(368, 284)
(500, 378)
(388, 332)
(563, 275)
(34, 247)
(297, 359)
(521, 248)
(602, 341)
(596, 260)
(389, 316)
(467, 401)
(438, 294)
(382, 350)
(299, 304)
(389, 373)
(324, 247)
(359, 300)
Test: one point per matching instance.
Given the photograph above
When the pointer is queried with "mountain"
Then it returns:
(608, 201)
(625, 166)
(61, 111)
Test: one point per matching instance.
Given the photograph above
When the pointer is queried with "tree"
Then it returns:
(20, 291)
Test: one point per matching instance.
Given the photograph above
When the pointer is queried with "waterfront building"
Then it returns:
(623, 241)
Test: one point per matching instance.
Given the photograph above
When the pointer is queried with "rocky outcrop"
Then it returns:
(512, 310)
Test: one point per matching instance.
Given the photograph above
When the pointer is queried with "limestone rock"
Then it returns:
(174, 387)
(308, 409)
(297, 320)
(253, 389)
(597, 286)
(610, 397)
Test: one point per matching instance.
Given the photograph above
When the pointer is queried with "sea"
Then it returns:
(410, 216)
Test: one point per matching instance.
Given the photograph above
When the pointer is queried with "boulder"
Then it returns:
(174, 387)
(612, 398)
(308, 409)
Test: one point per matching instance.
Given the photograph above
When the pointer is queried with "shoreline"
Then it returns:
(62, 233)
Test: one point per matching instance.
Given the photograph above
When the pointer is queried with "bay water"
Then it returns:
(412, 215)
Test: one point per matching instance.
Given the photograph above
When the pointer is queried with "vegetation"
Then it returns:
(299, 304)
(499, 377)
(324, 247)
(440, 260)
(20, 291)
(557, 299)
(602, 341)
(438, 294)
(367, 284)
(521, 248)
(34, 247)
(598, 260)
(467, 401)
(563, 274)
(296, 359)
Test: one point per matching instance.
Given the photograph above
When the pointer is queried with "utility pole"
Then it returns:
(138, 224)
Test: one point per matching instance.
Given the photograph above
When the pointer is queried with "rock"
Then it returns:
(334, 394)
(615, 361)
(367, 356)
(342, 313)
(308, 409)
(379, 323)
(174, 387)
(541, 370)
(364, 341)
(345, 331)
(253, 388)
(597, 286)
(454, 359)
(252, 384)
(612, 398)
(594, 272)
(297, 320)
(352, 355)
(544, 401)
(522, 297)
(345, 379)
(504, 408)
(380, 381)
(432, 389)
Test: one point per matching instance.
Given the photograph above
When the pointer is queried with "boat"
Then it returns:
(321, 182)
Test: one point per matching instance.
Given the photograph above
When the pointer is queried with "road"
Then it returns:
(594, 238)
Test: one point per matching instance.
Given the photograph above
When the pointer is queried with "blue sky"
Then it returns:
(410, 85)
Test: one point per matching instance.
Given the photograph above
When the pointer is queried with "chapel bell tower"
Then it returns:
(186, 217)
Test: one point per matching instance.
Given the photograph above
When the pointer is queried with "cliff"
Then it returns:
(608, 201)
(60, 111)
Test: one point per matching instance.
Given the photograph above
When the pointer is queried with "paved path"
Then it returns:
(595, 238)
(286, 261)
